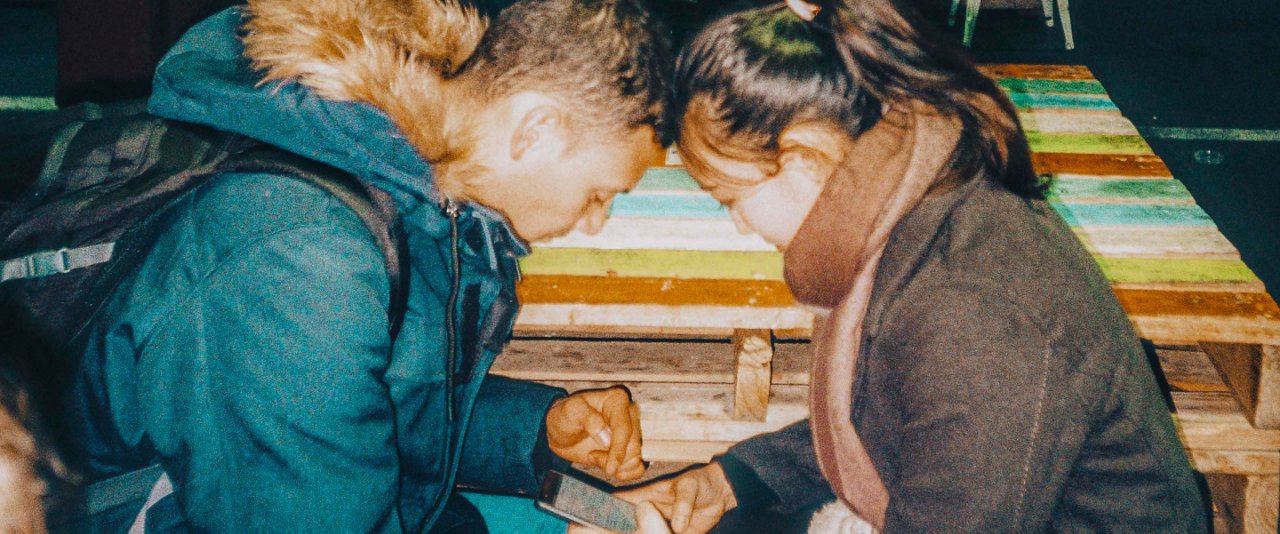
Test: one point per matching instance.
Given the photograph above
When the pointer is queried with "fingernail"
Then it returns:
(605, 437)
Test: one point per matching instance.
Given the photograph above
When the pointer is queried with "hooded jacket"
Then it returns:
(249, 355)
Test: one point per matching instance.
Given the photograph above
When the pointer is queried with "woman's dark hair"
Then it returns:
(764, 68)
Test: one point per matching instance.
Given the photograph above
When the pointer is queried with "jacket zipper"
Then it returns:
(451, 210)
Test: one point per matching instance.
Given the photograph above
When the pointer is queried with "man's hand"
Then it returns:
(693, 501)
(599, 427)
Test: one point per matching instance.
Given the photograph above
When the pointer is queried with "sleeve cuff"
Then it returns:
(748, 489)
(543, 459)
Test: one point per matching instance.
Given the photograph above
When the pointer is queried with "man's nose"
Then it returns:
(593, 220)
(740, 223)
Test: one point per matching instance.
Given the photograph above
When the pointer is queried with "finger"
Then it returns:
(596, 426)
(598, 458)
(633, 466)
(682, 510)
(655, 492)
(650, 520)
(617, 409)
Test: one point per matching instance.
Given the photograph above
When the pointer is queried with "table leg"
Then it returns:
(1253, 374)
(754, 350)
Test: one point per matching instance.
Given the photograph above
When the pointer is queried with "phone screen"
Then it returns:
(577, 501)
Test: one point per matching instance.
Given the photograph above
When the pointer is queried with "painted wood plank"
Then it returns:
(1050, 72)
(657, 320)
(660, 234)
(1099, 164)
(1156, 242)
(654, 263)
(713, 235)
(733, 265)
(703, 207)
(1087, 143)
(1042, 86)
(1035, 101)
(1137, 191)
(1058, 120)
(668, 294)
(1181, 270)
(1132, 214)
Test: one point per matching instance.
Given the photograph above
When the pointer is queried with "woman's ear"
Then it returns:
(812, 148)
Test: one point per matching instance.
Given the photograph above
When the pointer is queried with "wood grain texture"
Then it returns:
(753, 350)
(1100, 164)
(1253, 374)
(1048, 72)
(1077, 121)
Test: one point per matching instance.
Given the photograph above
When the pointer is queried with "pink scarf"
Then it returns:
(889, 169)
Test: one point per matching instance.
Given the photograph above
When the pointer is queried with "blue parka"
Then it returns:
(250, 353)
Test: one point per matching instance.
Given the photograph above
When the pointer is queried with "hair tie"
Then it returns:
(804, 10)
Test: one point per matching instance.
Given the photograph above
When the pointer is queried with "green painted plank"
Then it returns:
(1148, 191)
(1181, 270)
(731, 265)
(27, 103)
(1025, 100)
(1087, 143)
(1037, 85)
(735, 265)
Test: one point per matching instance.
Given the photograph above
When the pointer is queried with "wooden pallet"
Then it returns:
(688, 399)
(669, 262)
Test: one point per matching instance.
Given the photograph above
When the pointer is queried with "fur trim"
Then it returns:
(392, 54)
(836, 518)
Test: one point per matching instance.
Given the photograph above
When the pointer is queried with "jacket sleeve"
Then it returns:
(263, 393)
(971, 374)
(506, 446)
(778, 469)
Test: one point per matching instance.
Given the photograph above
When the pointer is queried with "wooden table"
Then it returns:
(670, 266)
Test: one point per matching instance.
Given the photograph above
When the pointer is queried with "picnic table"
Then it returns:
(695, 317)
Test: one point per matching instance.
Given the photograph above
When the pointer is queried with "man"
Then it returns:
(250, 355)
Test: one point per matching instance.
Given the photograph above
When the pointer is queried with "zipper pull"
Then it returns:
(452, 208)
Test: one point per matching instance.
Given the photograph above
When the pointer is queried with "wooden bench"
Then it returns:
(670, 266)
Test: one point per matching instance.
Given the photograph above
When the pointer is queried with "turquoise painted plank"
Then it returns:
(1075, 214)
(1132, 214)
(1024, 100)
(1036, 85)
(668, 207)
(1067, 189)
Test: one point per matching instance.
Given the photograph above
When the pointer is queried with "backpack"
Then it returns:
(97, 208)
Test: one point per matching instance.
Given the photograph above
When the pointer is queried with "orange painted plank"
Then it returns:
(1099, 164)
(557, 289)
(1052, 72)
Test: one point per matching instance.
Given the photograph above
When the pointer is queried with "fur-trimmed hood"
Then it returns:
(352, 83)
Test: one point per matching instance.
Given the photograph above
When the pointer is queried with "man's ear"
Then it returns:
(813, 148)
(539, 126)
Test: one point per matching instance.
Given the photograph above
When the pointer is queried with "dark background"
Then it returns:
(1166, 63)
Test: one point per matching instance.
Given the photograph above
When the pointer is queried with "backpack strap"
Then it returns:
(373, 206)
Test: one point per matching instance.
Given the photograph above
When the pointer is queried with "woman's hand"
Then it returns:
(599, 427)
(648, 521)
(693, 501)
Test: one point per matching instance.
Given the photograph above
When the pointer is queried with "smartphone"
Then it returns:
(580, 502)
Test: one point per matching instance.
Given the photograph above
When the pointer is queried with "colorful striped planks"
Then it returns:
(670, 260)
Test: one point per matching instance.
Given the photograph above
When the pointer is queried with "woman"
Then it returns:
(972, 369)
